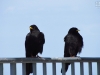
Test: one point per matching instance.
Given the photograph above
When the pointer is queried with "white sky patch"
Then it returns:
(46, 4)
(11, 8)
(40, 9)
(90, 29)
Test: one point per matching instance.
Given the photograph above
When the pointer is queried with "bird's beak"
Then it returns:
(31, 28)
(78, 30)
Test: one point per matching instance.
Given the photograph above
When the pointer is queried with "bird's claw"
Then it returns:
(38, 56)
(72, 56)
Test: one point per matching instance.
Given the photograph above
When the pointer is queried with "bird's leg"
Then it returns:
(72, 56)
(32, 56)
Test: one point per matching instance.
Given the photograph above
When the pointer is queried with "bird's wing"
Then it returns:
(80, 43)
(81, 40)
(27, 40)
(27, 43)
(70, 45)
(41, 41)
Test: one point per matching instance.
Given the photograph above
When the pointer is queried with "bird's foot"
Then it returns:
(75, 56)
(38, 56)
(72, 56)
(33, 56)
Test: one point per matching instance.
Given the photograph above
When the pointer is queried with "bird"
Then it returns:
(34, 43)
(73, 44)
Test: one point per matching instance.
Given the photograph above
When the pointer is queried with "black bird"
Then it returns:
(33, 45)
(73, 44)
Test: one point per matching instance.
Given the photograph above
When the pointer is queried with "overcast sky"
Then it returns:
(54, 18)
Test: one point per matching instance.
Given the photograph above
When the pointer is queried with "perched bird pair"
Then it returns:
(35, 40)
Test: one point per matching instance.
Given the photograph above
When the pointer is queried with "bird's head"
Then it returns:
(33, 27)
(73, 30)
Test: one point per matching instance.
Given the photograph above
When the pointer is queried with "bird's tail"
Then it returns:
(66, 67)
(28, 68)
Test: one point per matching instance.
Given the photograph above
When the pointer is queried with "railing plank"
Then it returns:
(98, 68)
(90, 68)
(1, 68)
(72, 68)
(23, 68)
(49, 60)
(13, 69)
(44, 69)
(34, 69)
(63, 68)
(54, 68)
(13, 62)
(81, 68)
